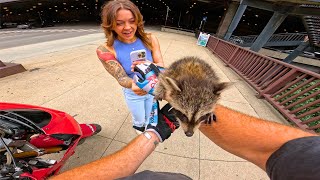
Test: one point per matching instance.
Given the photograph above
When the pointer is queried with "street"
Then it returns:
(18, 44)
(13, 37)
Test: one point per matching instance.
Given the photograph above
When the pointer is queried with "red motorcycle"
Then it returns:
(28, 132)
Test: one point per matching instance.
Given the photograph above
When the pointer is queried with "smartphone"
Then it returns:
(138, 55)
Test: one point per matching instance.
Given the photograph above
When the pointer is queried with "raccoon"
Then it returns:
(191, 86)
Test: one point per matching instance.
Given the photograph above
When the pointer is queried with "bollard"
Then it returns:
(1, 64)
(7, 69)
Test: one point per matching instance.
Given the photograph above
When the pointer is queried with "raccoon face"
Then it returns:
(190, 125)
(193, 100)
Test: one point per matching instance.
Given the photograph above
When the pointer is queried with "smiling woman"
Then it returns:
(122, 23)
(125, 28)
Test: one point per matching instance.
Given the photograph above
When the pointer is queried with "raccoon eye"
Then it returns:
(204, 117)
(179, 115)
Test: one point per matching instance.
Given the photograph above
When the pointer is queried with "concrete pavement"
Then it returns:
(74, 81)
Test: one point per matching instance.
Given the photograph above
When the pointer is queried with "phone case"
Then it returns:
(138, 55)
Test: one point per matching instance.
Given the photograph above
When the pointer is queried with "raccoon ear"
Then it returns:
(218, 88)
(171, 82)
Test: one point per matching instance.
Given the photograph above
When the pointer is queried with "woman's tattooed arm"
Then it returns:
(113, 67)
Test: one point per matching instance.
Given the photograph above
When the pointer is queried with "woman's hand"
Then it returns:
(137, 90)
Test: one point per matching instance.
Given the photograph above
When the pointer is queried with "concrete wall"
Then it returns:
(165, 29)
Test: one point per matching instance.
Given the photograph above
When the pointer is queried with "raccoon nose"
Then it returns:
(189, 134)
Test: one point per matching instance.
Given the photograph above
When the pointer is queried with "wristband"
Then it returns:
(148, 136)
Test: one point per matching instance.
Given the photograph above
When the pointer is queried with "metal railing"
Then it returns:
(282, 39)
(293, 91)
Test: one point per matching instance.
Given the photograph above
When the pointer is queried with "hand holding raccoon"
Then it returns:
(166, 125)
(191, 86)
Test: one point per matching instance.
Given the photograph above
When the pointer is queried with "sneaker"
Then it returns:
(138, 132)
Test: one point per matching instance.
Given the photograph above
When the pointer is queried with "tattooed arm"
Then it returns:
(114, 68)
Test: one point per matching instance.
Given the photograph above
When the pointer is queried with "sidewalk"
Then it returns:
(74, 81)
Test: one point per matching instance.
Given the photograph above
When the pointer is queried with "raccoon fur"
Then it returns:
(192, 88)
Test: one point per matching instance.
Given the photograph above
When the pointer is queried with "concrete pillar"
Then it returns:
(235, 21)
(273, 24)
(296, 52)
(0, 16)
(227, 18)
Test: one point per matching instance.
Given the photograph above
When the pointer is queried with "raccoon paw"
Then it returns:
(211, 118)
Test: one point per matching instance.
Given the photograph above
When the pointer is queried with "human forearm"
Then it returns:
(125, 82)
(249, 137)
(113, 67)
(123, 163)
(156, 52)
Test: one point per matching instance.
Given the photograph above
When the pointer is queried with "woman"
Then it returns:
(122, 23)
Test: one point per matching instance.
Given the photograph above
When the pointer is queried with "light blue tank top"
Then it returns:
(123, 53)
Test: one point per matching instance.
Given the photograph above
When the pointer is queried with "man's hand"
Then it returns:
(167, 123)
